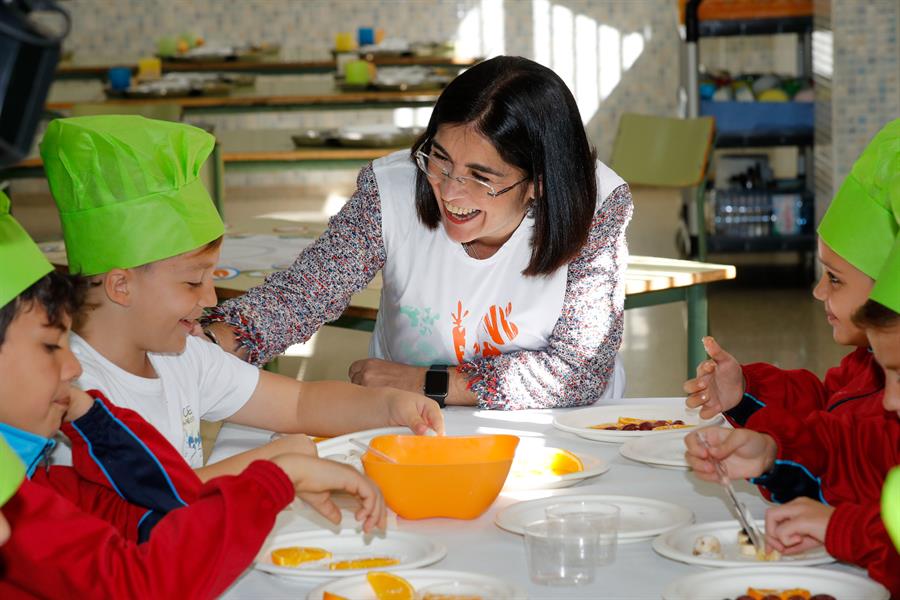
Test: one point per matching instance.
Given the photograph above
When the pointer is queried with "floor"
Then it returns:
(758, 320)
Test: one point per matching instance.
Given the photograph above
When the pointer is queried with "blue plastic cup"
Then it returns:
(366, 36)
(120, 78)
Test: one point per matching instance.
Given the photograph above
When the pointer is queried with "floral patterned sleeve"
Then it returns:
(292, 305)
(579, 361)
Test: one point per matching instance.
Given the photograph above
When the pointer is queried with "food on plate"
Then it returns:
(364, 563)
(792, 594)
(707, 546)
(633, 424)
(545, 462)
(748, 549)
(294, 556)
(388, 586)
(329, 596)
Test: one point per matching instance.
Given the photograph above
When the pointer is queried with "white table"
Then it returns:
(479, 546)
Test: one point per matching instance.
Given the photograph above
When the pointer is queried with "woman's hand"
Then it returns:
(719, 384)
(315, 479)
(374, 372)
(745, 453)
(797, 526)
(415, 411)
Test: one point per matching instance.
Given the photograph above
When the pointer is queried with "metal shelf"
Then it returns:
(760, 140)
(729, 27)
(770, 243)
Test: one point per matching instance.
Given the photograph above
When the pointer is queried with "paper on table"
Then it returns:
(261, 252)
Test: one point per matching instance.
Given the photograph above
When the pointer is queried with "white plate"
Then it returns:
(641, 518)
(658, 451)
(489, 587)
(413, 550)
(679, 544)
(340, 449)
(520, 479)
(579, 422)
(731, 583)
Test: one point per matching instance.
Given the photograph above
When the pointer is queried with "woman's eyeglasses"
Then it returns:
(437, 169)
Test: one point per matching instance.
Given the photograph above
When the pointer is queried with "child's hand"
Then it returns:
(719, 384)
(80, 402)
(746, 453)
(314, 479)
(797, 526)
(418, 412)
(292, 443)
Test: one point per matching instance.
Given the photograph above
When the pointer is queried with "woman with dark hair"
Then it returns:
(501, 241)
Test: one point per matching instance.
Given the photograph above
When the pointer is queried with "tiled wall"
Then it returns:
(616, 55)
(857, 64)
(627, 51)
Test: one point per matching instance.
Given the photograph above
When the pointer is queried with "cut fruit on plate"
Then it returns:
(375, 562)
(388, 586)
(296, 555)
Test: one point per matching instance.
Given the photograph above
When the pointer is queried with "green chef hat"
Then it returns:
(890, 505)
(860, 225)
(23, 263)
(12, 471)
(128, 190)
(887, 287)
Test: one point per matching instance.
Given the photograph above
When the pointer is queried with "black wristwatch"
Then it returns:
(437, 383)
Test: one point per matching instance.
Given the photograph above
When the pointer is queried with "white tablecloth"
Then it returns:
(479, 546)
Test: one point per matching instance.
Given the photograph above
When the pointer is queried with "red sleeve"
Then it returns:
(856, 534)
(109, 433)
(799, 390)
(59, 551)
(845, 457)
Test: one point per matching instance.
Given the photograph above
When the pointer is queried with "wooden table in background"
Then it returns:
(282, 64)
(289, 92)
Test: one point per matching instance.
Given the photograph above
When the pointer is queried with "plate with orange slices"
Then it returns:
(542, 467)
(425, 584)
(325, 554)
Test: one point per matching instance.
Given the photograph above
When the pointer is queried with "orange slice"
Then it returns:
(295, 555)
(564, 462)
(364, 563)
(388, 586)
(330, 596)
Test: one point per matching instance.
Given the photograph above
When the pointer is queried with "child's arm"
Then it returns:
(289, 444)
(856, 534)
(329, 408)
(61, 551)
(115, 447)
(723, 385)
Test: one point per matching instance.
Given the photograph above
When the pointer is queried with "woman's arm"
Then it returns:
(579, 360)
(291, 305)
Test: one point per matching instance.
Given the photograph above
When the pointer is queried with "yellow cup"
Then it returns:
(343, 42)
(149, 68)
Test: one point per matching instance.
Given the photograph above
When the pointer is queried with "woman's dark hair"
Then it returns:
(874, 315)
(531, 118)
(59, 295)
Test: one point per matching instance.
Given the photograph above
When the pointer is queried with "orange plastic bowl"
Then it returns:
(455, 477)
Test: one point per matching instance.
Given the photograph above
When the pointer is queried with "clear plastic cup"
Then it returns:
(602, 517)
(561, 551)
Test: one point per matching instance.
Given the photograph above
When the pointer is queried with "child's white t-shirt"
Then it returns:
(204, 381)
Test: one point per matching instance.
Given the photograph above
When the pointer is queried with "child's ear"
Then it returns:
(117, 284)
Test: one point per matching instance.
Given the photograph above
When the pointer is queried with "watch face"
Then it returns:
(436, 383)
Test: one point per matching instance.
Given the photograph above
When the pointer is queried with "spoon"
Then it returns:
(369, 448)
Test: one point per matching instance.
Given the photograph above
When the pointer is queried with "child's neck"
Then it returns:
(117, 348)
